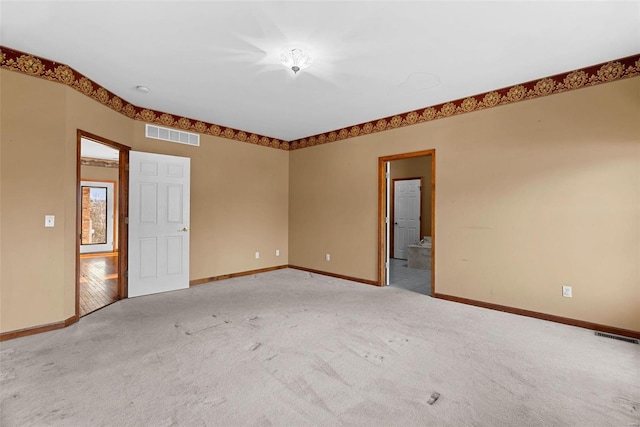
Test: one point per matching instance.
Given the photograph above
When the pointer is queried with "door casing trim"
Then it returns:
(123, 212)
(382, 204)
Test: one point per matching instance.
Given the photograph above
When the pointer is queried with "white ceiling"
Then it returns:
(96, 150)
(218, 61)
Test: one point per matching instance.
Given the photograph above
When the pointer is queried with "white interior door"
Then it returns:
(159, 187)
(406, 216)
(387, 228)
(98, 216)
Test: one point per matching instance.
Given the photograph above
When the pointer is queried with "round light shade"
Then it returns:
(295, 59)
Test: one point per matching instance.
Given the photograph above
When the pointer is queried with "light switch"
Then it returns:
(49, 220)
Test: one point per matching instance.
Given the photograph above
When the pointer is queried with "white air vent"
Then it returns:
(172, 135)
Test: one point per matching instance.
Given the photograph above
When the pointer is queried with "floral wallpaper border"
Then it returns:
(597, 74)
(602, 73)
(39, 67)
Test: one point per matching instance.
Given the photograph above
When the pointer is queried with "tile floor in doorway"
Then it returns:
(411, 279)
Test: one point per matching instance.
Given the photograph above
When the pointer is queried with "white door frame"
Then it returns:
(387, 246)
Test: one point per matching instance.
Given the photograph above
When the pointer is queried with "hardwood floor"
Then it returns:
(98, 281)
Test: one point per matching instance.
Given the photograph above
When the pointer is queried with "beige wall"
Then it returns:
(97, 173)
(529, 197)
(417, 167)
(239, 203)
(239, 198)
(34, 262)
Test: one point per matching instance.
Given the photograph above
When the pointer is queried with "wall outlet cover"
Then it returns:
(257, 255)
(567, 292)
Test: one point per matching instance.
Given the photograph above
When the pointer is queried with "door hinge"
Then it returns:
(126, 220)
(386, 220)
(386, 175)
(126, 274)
(386, 265)
(126, 167)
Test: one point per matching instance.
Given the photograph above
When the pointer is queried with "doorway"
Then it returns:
(102, 208)
(406, 197)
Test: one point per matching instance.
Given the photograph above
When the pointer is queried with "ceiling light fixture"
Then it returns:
(295, 59)
(142, 89)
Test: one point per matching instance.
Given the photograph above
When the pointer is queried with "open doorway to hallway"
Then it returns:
(99, 173)
(407, 196)
(101, 244)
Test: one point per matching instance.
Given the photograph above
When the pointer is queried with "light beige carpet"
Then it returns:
(287, 348)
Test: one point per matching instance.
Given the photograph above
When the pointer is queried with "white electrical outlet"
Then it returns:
(257, 255)
(49, 220)
(566, 291)
(277, 252)
(328, 257)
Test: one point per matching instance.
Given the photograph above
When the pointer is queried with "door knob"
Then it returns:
(185, 229)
